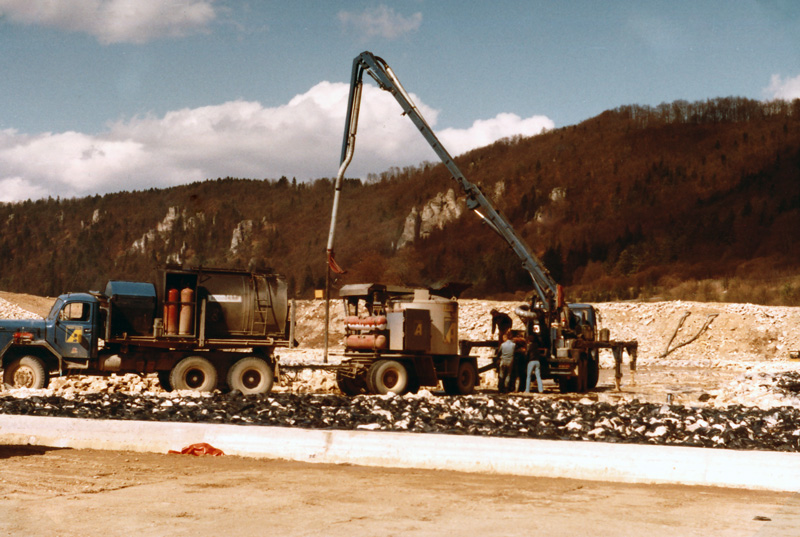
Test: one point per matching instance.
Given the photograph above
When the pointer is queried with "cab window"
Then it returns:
(75, 311)
(55, 311)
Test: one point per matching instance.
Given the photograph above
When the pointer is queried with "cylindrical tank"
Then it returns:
(353, 322)
(363, 342)
(187, 312)
(243, 304)
(171, 312)
(227, 303)
(605, 334)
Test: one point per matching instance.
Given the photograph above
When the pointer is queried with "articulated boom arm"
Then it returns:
(378, 69)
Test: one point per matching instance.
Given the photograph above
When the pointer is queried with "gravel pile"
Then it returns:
(734, 427)
(12, 311)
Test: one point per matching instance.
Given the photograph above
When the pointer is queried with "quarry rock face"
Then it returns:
(410, 229)
(241, 234)
(435, 214)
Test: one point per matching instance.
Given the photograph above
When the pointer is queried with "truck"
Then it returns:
(564, 337)
(198, 329)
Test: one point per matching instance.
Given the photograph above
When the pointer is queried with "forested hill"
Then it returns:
(685, 200)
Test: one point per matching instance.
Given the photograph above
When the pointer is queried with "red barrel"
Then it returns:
(171, 312)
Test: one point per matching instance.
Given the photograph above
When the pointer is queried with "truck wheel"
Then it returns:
(251, 375)
(568, 385)
(583, 374)
(163, 379)
(593, 372)
(413, 383)
(351, 385)
(464, 381)
(193, 373)
(368, 378)
(26, 372)
(389, 376)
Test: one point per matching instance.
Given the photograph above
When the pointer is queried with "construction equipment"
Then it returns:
(197, 328)
(564, 337)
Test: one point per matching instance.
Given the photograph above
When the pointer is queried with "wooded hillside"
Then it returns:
(685, 200)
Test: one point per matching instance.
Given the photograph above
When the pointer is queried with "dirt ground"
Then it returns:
(70, 493)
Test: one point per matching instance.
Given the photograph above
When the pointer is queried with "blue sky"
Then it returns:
(106, 95)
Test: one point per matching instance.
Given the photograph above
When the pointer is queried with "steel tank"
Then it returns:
(238, 304)
(443, 315)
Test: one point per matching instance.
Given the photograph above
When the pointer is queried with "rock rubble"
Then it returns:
(734, 427)
(12, 311)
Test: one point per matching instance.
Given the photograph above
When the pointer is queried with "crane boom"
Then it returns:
(544, 285)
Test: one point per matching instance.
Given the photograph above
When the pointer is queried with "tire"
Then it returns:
(193, 373)
(467, 377)
(568, 385)
(389, 376)
(26, 372)
(368, 378)
(251, 375)
(593, 372)
(163, 379)
(351, 385)
(588, 372)
(583, 373)
(464, 381)
(413, 383)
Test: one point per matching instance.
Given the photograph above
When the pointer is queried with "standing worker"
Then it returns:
(533, 366)
(501, 321)
(519, 368)
(505, 367)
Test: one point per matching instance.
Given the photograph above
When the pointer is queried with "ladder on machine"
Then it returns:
(262, 305)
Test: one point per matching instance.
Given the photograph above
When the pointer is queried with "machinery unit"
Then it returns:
(398, 339)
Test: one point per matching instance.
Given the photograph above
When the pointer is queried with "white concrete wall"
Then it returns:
(595, 461)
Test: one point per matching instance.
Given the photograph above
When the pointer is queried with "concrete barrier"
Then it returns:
(627, 463)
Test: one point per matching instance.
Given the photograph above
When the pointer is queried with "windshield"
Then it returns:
(55, 309)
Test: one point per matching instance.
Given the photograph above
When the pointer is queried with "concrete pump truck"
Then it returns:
(405, 338)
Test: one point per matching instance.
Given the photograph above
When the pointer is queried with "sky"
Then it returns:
(102, 96)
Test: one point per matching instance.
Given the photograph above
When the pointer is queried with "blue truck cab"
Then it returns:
(31, 349)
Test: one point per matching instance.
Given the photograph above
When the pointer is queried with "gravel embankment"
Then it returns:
(733, 427)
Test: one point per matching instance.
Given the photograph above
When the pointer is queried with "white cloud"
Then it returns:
(486, 131)
(788, 89)
(300, 139)
(380, 21)
(114, 21)
(17, 188)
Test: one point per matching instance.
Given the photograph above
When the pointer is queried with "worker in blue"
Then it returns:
(534, 366)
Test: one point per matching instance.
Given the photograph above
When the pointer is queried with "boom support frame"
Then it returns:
(544, 285)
